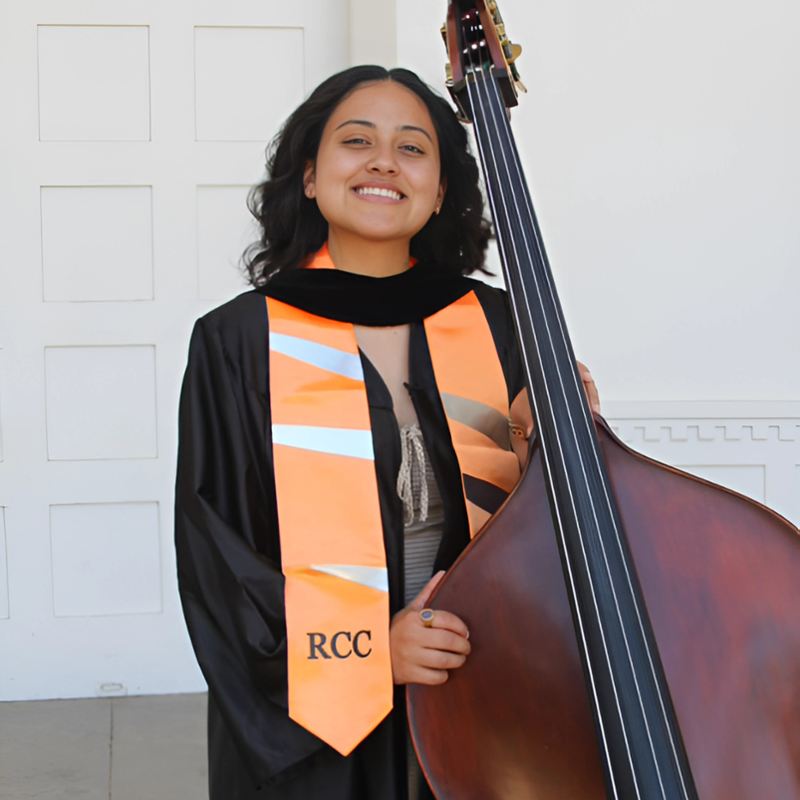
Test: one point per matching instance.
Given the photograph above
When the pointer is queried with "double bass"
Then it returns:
(635, 630)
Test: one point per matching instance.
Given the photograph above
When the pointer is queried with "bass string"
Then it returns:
(553, 299)
(512, 283)
(617, 538)
(500, 123)
(485, 146)
(592, 499)
(498, 113)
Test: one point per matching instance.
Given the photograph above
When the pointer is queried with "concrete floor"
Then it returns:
(122, 748)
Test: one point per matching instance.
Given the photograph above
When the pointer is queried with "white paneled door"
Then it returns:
(130, 134)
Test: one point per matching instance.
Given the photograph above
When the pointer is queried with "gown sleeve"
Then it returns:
(227, 544)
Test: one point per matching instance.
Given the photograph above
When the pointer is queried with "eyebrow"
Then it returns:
(366, 123)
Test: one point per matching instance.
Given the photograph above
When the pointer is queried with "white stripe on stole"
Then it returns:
(375, 577)
(318, 355)
(336, 441)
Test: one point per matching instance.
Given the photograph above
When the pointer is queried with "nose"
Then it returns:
(383, 161)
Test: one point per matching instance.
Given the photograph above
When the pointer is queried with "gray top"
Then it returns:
(424, 519)
(424, 513)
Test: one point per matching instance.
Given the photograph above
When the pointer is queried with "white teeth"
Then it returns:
(380, 192)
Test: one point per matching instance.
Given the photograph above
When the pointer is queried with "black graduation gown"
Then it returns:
(226, 527)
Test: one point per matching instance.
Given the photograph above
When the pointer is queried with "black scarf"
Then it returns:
(400, 299)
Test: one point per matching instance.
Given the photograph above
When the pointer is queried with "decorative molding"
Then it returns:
(704, 430)
(704, 421)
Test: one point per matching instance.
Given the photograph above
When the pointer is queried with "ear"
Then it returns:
(309, 178)
(440, 194)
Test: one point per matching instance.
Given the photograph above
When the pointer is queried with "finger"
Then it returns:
(439, 659)
(418, 603)
(445, 640)
(593, 396)
(450, 622)
(589, 387)
(520, 413)
(430, 677)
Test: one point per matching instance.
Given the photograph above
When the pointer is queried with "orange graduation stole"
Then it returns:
(334, 562)
(474, 394)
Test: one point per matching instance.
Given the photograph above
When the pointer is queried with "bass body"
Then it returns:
(635, 631)
(720, 575)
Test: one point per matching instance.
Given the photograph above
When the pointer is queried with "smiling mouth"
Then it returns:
(373, 190)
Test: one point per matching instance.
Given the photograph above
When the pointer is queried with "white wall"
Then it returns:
(373, 32)
(659, 142)
(129, 136)
(660, 145)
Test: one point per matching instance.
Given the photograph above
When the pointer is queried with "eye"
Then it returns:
(412, 148)
(355, 140)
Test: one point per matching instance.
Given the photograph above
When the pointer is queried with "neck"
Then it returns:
(354, 254)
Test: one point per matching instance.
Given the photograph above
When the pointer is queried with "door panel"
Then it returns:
(136, 132)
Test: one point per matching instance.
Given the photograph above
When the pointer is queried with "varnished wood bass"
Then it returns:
(635, 630)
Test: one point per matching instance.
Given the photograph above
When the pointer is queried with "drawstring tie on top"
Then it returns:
(412, 474)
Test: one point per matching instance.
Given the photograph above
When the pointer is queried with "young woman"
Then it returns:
(345, 427)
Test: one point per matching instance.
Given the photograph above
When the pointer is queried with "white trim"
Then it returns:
(374, 577)
(318, 355)
(337, 441)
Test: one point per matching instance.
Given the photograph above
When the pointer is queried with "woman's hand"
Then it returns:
(589, 388)
(521, 422)
(423, 655)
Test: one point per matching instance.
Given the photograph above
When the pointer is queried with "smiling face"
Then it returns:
(377, 172)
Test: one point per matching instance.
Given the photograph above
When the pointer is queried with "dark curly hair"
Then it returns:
(292, 225)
